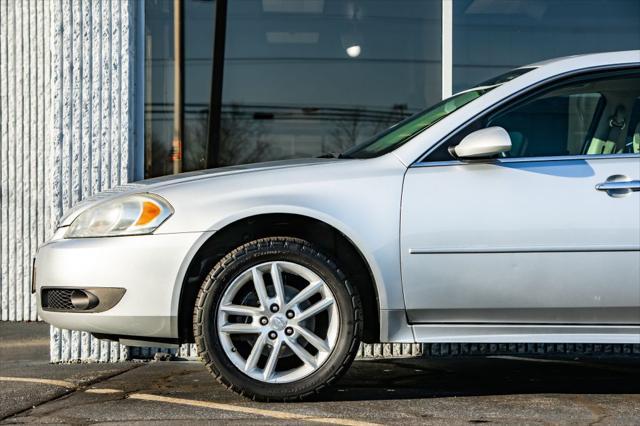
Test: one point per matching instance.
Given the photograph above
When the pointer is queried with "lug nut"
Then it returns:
(274, 308)
(288, 331)
(264, 321)
(273, 335)
(290, 314)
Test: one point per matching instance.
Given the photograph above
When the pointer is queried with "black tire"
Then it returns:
(254, 253)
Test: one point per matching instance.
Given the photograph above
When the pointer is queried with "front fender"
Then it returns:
(361, 202)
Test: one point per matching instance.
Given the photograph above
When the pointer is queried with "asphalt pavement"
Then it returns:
(444, 390)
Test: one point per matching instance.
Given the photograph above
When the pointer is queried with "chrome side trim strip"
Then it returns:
(499, 161)
(470, 333)
(534, 249)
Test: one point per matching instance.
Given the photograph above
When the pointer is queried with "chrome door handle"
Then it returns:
(633, 185)
(619, 186)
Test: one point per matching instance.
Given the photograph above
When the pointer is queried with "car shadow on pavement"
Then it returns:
(485, 376)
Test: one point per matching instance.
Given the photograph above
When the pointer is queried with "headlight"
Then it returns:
(127, 215)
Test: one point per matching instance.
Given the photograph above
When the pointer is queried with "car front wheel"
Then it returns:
(277, 320)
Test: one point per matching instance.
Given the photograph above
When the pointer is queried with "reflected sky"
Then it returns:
(492, 36)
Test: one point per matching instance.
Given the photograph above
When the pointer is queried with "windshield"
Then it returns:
(405, 130)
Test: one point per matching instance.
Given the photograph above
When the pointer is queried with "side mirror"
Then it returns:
(483, 143)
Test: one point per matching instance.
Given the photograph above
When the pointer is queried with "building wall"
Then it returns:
(24, 103)
(67, 97)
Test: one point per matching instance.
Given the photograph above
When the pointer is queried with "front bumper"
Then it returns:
(149, 267)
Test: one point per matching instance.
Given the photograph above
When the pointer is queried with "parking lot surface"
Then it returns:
(499, 389)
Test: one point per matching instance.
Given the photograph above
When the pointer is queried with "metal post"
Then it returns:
(148, 103)
(138, 144)
(447, 48)
(178, 85)
(215, 101)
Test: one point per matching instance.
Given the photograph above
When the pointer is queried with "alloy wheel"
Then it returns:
(278, 322)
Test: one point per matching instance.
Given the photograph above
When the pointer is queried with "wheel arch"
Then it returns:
(330, 239)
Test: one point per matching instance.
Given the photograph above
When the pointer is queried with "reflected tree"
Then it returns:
(359, 124)
(241, 139)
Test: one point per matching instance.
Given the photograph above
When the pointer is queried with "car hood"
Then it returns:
(231, 170)
(149, 185)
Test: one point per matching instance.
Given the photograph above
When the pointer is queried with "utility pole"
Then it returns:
(178, 85)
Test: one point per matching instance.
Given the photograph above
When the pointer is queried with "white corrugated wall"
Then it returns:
(92, 123)
(66, 107)
(24, 105)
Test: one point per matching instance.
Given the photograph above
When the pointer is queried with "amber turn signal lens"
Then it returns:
(150, 211)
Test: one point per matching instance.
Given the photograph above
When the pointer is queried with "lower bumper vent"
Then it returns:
(57, 299)
(80, 300)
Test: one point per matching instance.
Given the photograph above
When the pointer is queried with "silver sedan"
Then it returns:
(509, 212)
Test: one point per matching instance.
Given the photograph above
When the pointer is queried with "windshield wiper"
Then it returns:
(329, 155)
(333, 155)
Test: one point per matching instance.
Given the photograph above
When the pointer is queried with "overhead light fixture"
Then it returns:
(354, 51)
(352, 43)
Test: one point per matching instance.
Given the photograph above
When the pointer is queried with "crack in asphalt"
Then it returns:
(595, 409)
(120, 396)
(70, 391)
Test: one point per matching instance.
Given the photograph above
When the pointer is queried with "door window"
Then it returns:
(555, 124)
(585, 116)
(632, 143)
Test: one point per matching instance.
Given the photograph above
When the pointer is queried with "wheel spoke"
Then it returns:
(312, 338)
(254, 356)
(240, 328)
(261, 289)
(270, 366)
(243, 310)
(302, 353)
(315, 309)
(276, 277)
(306, 293)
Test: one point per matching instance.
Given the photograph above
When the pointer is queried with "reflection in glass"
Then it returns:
(303, 78)
(407, 129)
(491, 36)
(199, 27)
(404, 131)
(160, 79)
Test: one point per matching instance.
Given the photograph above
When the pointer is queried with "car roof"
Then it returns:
(593, 59)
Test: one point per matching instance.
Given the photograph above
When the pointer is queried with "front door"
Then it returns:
(533, 237)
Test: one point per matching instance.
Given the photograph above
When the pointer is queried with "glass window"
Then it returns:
(633, 135)
(407, 129)
(199, 27)
(555, 124)
(176, 127)
(307, 77)
(585, 116)
(490, 36)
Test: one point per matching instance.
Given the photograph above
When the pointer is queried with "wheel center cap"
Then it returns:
(278, 322)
